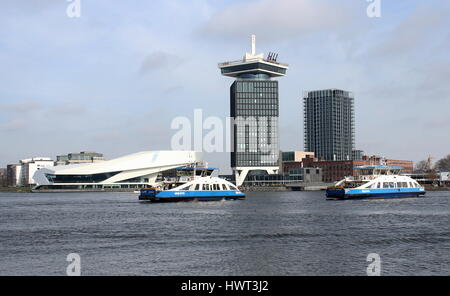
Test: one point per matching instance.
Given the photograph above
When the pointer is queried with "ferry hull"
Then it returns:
(178, 196)
(374, 193)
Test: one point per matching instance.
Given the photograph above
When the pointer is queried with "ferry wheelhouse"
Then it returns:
(376, 182)
(201, 189)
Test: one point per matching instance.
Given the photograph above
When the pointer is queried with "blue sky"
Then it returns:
(113, 80)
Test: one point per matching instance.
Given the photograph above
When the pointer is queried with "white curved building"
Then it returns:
(131, 171)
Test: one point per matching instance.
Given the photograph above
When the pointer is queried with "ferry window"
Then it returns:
(216, 187)
(378, 185)
(224, 187)
(197, 187)
(206, 187)
(184, 187)
(399, 185)
(233, 187)
(405, 185)
(385, 185)
(411, 185)
(391, 185)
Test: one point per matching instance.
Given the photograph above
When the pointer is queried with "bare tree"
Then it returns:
(421, 166)
(443, 164)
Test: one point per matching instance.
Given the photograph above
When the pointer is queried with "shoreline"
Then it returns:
(15, 189)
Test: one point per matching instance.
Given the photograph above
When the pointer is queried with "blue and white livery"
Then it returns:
(376, 182)
(201, 189)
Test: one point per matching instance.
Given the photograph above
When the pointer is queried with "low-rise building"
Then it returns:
(357, 154)
(131, 171)
(30, 166)
(444, 178)
(407, 165)
(13, 175)
(333, 171)
(21, 174)
(293, 159)
(3, 177)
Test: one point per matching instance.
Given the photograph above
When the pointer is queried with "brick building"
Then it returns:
(336, 170)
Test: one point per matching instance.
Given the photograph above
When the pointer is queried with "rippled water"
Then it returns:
(286, 233)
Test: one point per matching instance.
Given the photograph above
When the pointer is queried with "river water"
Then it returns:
(269, 233)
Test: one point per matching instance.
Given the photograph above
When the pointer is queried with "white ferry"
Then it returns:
(201, 189)
(376, 182)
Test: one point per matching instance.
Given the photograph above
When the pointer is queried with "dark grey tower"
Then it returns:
(329, 123)
(254, 104)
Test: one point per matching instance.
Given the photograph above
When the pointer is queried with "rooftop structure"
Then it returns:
(81, 157)
(253, 63)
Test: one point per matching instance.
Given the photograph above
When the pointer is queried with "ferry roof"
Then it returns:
(378, 167)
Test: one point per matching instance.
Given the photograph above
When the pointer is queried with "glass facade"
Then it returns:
(255, 108)
(288, 156)
(94, 178)
(329, 124)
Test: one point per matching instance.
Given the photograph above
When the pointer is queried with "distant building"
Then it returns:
(81, 157)
(408, 165)
(329, 124)
(30, 166)
(13, 175)
(131, 171)
(296, 156)
(294, 176)
(444, 178)
(21, 174)
(333, 171)
(293, 159)
(357, 154)
(3, 177)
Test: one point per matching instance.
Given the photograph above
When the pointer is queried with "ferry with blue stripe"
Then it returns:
(378, 181)
(201, 189)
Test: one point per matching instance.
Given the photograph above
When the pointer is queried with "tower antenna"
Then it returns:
(253, 44)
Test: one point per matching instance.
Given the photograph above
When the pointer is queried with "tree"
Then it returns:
(422, 166)
(443, 164)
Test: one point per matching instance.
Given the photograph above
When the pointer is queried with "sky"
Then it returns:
(113, 79)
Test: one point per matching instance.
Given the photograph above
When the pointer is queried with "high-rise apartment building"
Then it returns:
(329, 124)
(254, 105)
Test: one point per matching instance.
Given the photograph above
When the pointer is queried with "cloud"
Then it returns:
(159, 60)
(13, 125)
(438, 123)
(173, 89)
(23, 106)
(275, 20)
(416, 31)
(67, 109)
